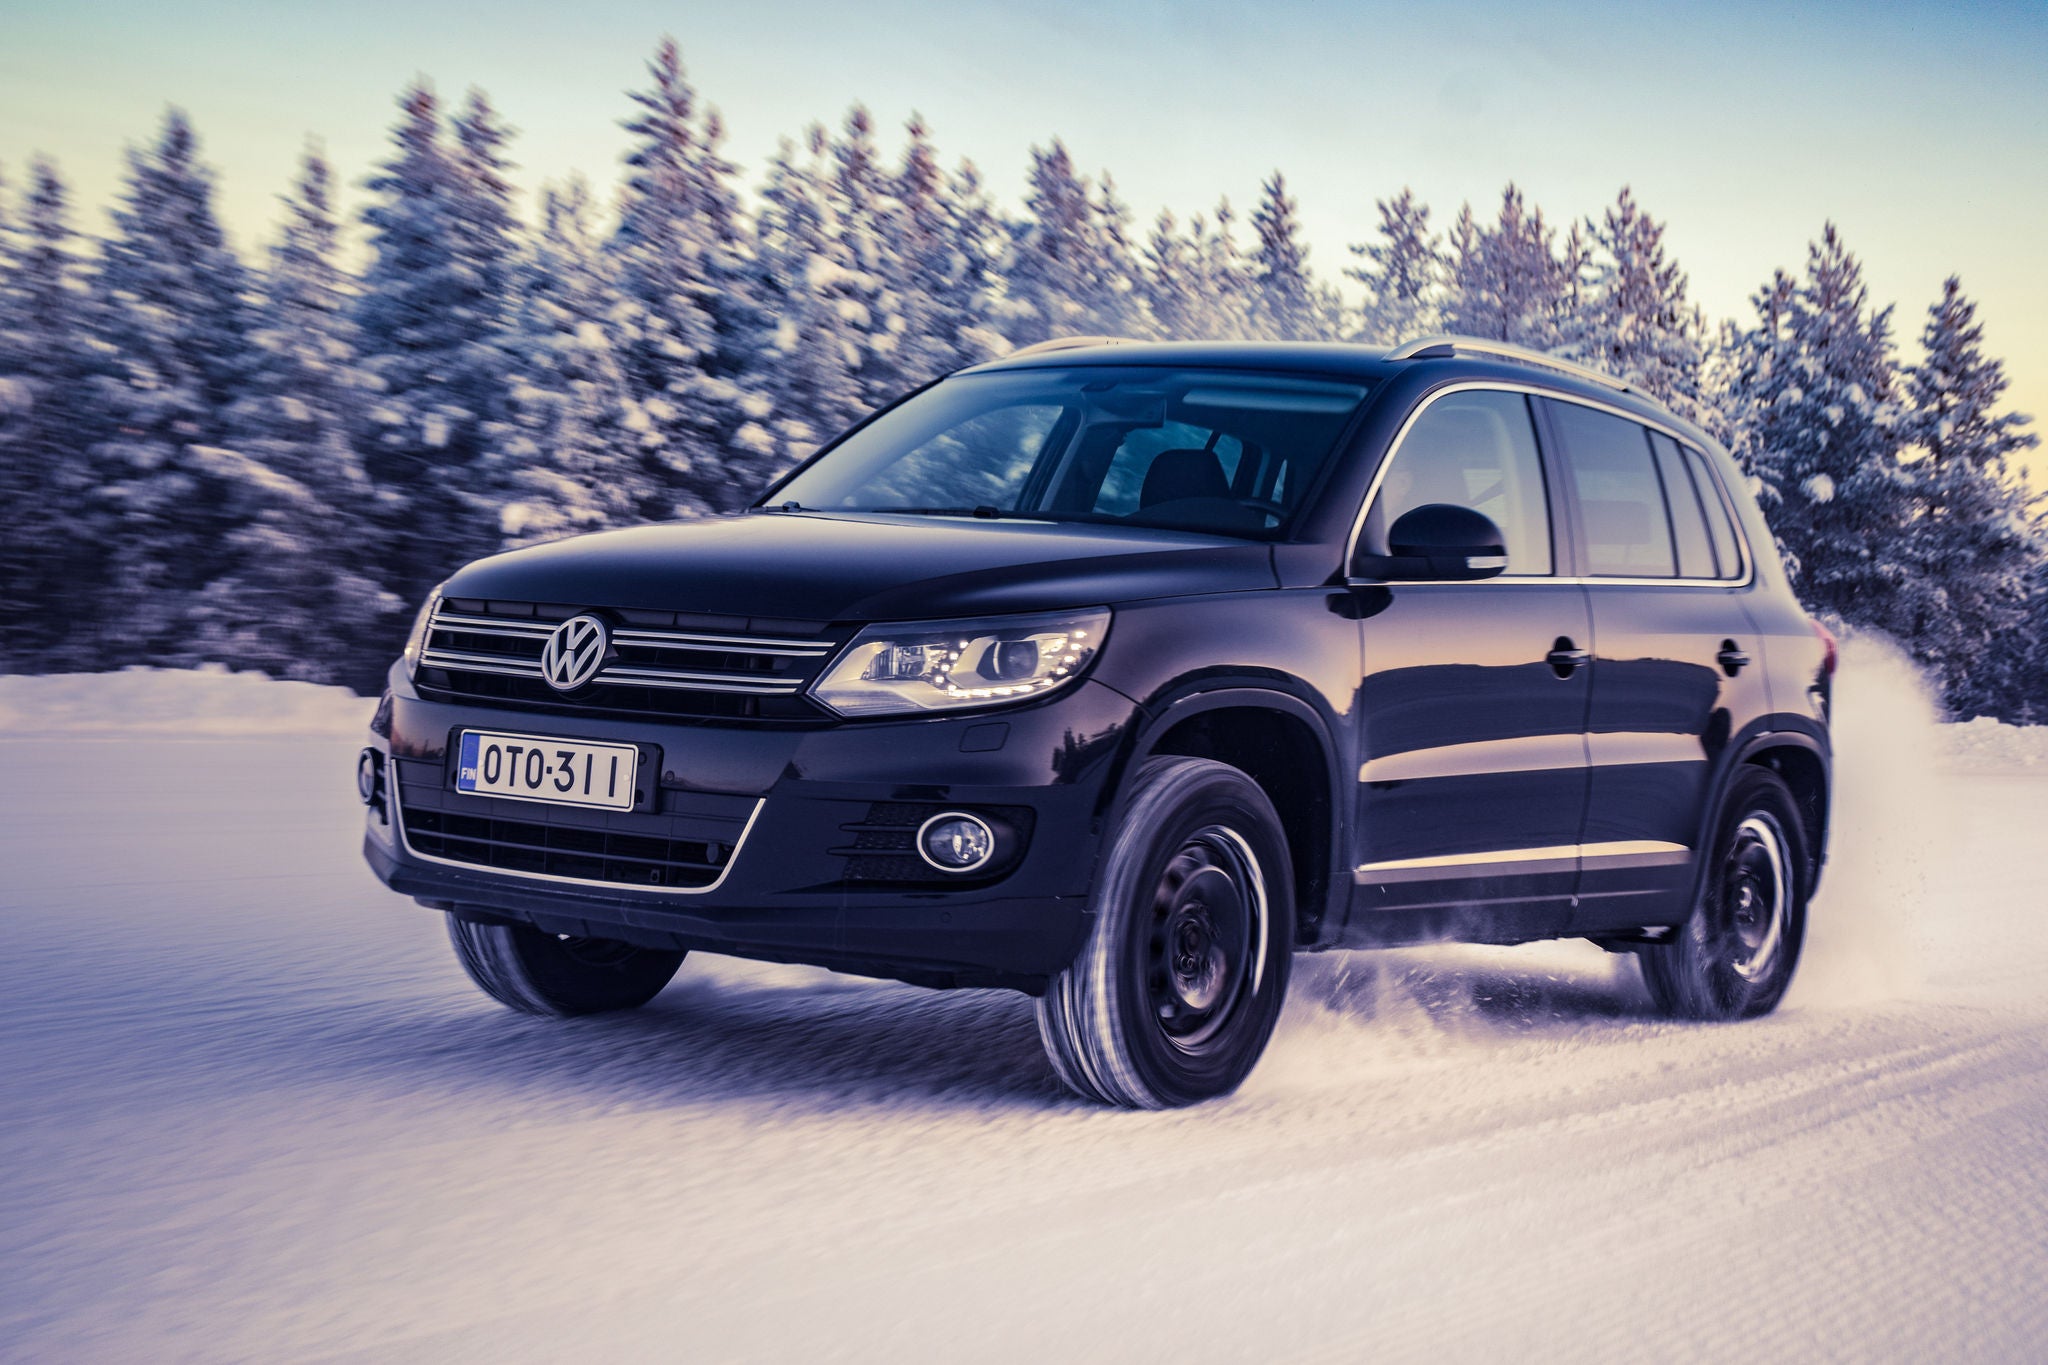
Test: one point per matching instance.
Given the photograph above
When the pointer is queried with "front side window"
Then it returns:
(1474, 449)
(1220, 451)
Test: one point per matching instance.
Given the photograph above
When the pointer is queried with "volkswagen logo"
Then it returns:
(573, 653)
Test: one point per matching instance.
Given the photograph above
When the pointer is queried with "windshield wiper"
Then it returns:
(984, 511)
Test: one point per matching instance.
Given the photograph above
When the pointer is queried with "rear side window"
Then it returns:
(1688, 517)
(1720, 526)
(1622, 514)
(1475, 449)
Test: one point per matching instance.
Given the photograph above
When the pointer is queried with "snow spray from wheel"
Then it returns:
(1881, 903)
(1893, 836)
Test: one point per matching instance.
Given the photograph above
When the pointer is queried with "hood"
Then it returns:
(824, 567)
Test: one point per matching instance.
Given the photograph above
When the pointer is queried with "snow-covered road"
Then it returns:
(253, 1111)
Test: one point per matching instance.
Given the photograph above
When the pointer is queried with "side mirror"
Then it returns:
(1437, 542)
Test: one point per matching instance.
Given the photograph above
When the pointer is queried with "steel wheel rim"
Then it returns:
(1206, 953)
(1755, 892)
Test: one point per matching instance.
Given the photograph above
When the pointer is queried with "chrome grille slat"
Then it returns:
(480, 663)
(723, 644)
(708, 682)
(493, 625)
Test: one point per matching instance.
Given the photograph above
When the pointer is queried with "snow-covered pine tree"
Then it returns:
(1402, 270)
(1289, 303)
(698, 320)
(172, 322)
(1507, 281)
(812, 363)
(1224, 284)
(1072, 272)
(1815, 417)
(1168, 274)
(1634, 319)
(944, 265)
(699, 316)
(1120, 305)
(862, 272)
(572, 454)
(48, 561)
(1974, 546)
(424, 315)
(301, 598)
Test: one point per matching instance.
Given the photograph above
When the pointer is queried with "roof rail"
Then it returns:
(1069, 344)
(1443, 347)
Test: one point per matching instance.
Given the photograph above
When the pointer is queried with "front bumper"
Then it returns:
(785, 894)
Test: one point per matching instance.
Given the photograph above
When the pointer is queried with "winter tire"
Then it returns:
(558, 974)
(1176, 992)
(1735, 955)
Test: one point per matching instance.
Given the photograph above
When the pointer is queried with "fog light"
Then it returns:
(369, 775)
(956, 841)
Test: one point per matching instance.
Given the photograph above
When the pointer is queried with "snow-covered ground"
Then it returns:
(249, 1109)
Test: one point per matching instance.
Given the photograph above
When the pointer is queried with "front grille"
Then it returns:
(657, 663)
(687, 844)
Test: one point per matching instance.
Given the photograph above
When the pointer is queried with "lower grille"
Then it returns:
(687, 845)
(884, 847)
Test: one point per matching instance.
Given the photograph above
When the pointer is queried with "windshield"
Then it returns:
(1223, 451)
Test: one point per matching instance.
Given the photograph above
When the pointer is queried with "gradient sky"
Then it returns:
(1921, 129)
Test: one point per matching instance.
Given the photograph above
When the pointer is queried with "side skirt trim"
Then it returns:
(1522, 862)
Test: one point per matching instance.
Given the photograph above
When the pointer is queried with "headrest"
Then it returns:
(1177, 474)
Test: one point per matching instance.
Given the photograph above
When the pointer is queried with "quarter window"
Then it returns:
(1688, 519)
(1475, 449)
(1719, 525)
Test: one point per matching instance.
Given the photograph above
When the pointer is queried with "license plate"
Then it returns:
(562, 772)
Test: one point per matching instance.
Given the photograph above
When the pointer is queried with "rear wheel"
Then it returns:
(1735, 955)
(1175, 994)
(559, 974)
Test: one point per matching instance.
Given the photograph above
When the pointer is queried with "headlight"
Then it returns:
(948, 665)
(417, 641)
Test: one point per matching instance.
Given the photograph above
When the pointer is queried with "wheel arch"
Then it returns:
(1803, 764)
(1283, 744)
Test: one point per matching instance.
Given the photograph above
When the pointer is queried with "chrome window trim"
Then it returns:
(1379, 475)
(732, 859)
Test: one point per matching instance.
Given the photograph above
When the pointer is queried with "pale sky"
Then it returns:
(1922, 129)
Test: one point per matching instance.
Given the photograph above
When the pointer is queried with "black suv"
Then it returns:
(1117, 674)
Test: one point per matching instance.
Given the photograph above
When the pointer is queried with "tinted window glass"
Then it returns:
(1621, 501)
(1222, 451)
(982, 461)
(1475, 450)
(1719, 526)
(1688, 521)
(1124, 485)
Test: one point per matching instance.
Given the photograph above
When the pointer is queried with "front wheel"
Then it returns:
(559, 974)
(1735, 954)
(1177, 990)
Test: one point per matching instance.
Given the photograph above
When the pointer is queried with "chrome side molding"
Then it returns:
(1512, 862)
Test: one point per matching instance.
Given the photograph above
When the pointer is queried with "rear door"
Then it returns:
(1675, 656)
(1473, 701)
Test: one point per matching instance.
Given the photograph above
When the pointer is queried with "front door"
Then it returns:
(1472, 707)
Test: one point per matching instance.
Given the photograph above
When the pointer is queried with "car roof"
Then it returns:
(1339, 360)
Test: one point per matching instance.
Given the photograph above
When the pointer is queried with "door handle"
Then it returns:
(1565, 657)
(1731, 658)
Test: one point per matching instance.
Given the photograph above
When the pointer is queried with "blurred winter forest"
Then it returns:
(268, 463)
